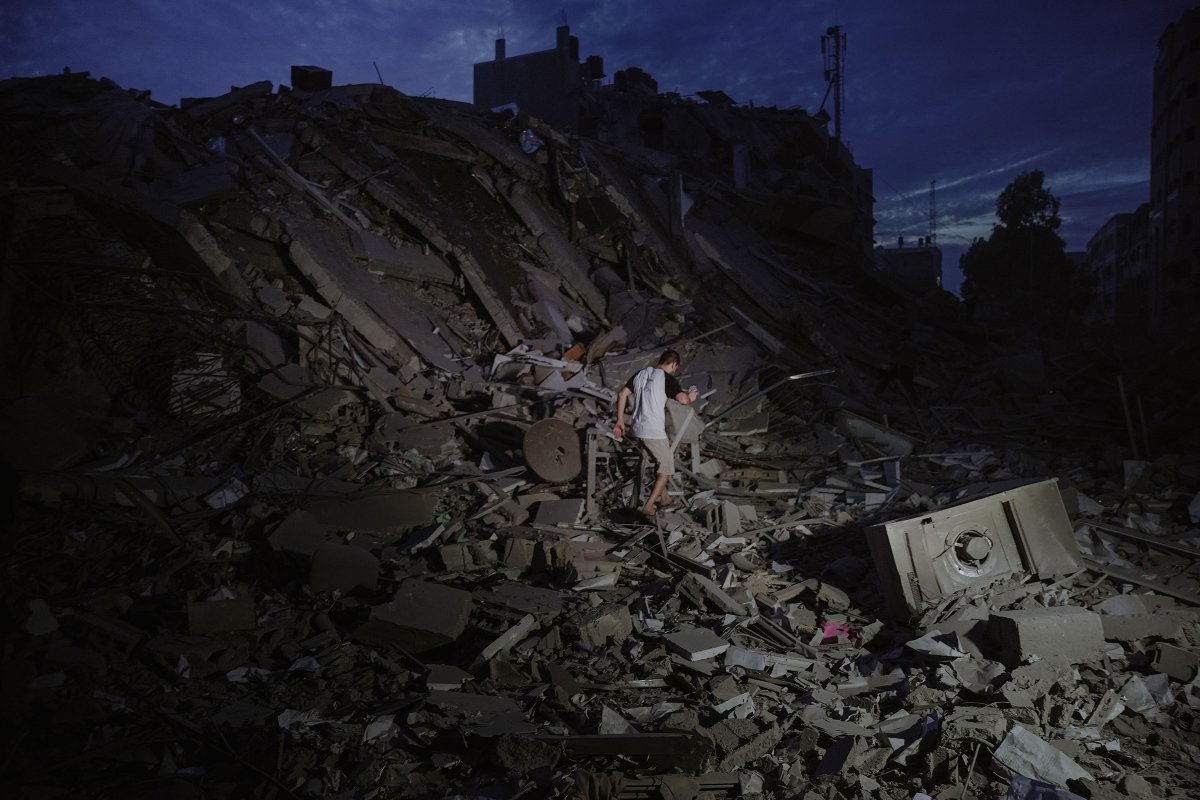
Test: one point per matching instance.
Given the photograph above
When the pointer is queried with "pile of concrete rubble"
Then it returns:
(314, 492)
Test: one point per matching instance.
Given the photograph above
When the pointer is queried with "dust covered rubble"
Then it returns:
(315, 492)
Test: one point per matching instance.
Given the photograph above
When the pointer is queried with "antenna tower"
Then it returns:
(833, 46)
(932, 213)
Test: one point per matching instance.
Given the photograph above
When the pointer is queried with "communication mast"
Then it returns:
(932, 239)
(833, 46)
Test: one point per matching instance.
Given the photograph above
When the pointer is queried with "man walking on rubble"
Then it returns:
(650, 388)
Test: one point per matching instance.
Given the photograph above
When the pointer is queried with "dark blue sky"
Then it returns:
(969, 93)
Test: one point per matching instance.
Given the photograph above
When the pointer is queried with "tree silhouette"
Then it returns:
(1022, 270)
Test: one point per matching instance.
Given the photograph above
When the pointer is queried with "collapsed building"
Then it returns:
(308, 437)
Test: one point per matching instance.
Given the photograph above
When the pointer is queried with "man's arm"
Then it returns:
(622, 397)
(688, 397)
(676, 391)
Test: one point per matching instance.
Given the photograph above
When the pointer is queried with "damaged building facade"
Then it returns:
(777, 169)
(1146, 262)
(307, 425)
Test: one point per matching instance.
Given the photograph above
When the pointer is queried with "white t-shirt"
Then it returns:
(649, 419)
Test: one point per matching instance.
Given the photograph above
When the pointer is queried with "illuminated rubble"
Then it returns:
(315, 493)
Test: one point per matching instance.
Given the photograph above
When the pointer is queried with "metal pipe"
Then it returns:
(738, 404)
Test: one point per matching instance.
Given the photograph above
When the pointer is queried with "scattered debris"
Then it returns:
(308, 432)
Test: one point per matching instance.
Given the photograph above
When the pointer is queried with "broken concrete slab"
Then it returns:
(598, 626)
(510, 637)
(1180, 664)
(560, 512)
(528, 599)
(375, 511)
(408, 263)
(221, 616)
(422, 616)
(300, 533)
(1131, 627)
(343, 568)
(1070, 631)
(696, 644)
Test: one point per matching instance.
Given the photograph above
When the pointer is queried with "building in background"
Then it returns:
(913, 269)
(1174, 165)
(781, 170)
(1146, 263)
(548, 84)
(1119, 258)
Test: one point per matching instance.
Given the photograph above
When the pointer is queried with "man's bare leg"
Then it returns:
(659, 490)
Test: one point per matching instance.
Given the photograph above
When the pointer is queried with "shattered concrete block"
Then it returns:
(444, 677)
(1134, 785)
(274, 299)
(1073, 632)
(457, 557)
(718, 597)
(85, 664)
(421, 617)
(517, 553)
(598, 625)
(1130, 627)
(1180, 664)
(219, 616)
(844, 754)
(834, 597)
(510, 637)
(384, 512)
(299, 533)
(41, 619)
(1122, 604)
(749, 659)
(731, 518)
(529, 599)
(343, 567)
(265, 346)
(756, 748)
(554, 512)
(522, 754)
(696, 644)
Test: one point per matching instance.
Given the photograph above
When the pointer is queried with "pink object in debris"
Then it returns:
(833, 630)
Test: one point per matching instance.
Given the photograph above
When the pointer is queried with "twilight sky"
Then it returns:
(968, 93)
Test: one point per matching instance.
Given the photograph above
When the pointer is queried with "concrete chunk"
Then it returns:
(1180, 664)
(756, 748)
(218, 616)
(597, 625)
(343, 567)
(1130, 627)
(696, 644)
(41, 620)
(510, 637)
(299, 533)
(1070, 631)
(422, 616)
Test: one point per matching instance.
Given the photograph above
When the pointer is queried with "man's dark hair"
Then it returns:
(668, 358)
